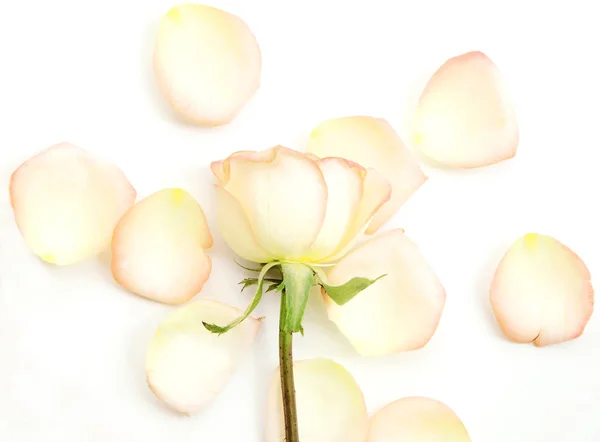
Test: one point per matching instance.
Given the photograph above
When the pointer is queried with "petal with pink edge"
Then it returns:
(158, 247)
(372, 143)
(344, 195)
(464, 117)
(186, 365)
(284, 195)
(330, 405)
(401, 311)
(67, 201)
(376, 191)
(541, 292)
(207, 63)
(417, 419)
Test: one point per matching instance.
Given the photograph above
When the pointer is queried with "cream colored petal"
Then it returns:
(285, 199)
(207, 63)
(66, 202)
(375, 193)
(236, 230)
(217, 169)
(417, 419)
(186, 365)
(541, 292)
(464, 117)
(330, 405)
(401, 311)
(222, 169)
(158, 247)
(344, 194)
(372, 143)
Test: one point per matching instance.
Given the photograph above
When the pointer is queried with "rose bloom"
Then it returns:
(283, 205)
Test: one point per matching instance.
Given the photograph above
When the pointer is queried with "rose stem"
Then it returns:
(286, 368)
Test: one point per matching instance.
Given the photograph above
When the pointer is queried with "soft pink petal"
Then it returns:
(401, 311)
(207, 63)
(66, 202)
(331, 407)
(372, 143)
(541, 292)
(417, 419)
(464, 117)
(158, 247)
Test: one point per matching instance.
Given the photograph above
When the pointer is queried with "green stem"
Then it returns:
(286, 368)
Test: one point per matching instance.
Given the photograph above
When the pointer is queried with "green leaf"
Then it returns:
(341, 294)
(257, 297)
(298, 280)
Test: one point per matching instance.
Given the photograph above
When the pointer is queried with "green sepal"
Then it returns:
(255, 301)
(248, 282)
(341, 294)
(278, 286)
(298, 279)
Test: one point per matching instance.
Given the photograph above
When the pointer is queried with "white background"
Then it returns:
(72, 344)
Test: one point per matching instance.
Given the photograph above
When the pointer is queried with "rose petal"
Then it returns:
(186, 365)
(284, 197)
(344, 194)
(417, 419)
(330, 405)
(541, 292)
(464, 117)
(158, 247)
(236, 230)
(207, 63)
(66, 202)
(372, 143)
(399, 312)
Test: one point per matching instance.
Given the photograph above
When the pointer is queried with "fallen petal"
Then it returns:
(158, 247)
(464, 117)
(372, 143)
(399, 312)
(186, 365)
(207, 63)
(331, 407)
(66, 202)
(417, 419)
(542, 292)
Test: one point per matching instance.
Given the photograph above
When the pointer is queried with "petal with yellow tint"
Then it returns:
(464, 117)
(373, 143)
(186, 365)
(207, 63)
(376, 191)
(158, 247)
(330, 405)
(284, 197)
(67, 201)
(541, 291)
(415, 419)
(236, 230)
(344, 194)
(399, 312)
